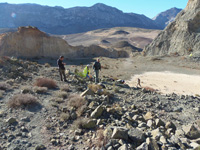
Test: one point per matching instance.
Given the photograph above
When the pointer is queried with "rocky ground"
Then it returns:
(81, 115)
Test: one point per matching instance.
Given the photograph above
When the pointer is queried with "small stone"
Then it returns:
(97, 112)
(194, 145)
(120, 133)
(143, 146)
(148, 116)
(191, 132)
(163, 140)
(152, 144)
(150, 123)
(170, 125)
(87, 92)
(159, 122)
(123, 147)
(156, 134)
(137, 136)
(11, 120)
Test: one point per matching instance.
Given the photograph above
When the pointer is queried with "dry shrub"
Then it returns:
(40, 90)
(65, 88)
(149, 89)
(64, 117)
(4, 86)
(76, 101)
(46, 82)
(79, 123)
(94, 87)
(61, 94)
(101, 140)
(47, 65)
(22, 100)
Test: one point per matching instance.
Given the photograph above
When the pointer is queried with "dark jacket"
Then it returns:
(97, 66)
(60, 64)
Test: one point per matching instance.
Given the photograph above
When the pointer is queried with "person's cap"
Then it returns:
(61, 56)
(88, 65)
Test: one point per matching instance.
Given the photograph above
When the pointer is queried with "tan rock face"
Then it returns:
(181, 36)
(31, 42)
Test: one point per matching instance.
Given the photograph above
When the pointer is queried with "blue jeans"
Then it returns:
(96, 76)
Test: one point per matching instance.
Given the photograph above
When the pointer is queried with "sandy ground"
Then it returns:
(169, 82)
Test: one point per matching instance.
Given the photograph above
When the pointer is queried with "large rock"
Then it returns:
(191, 131)
(143, 146)
(90, 124)
(97, 112)
(120, 133)
(137, 136)
(181, 36)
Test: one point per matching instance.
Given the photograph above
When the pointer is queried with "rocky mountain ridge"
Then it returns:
(57, 20)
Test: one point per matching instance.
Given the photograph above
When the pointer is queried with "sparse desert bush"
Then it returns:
(46, 82)
(101, 140)
(4, 86)
(94, 87)
(22, 100)
(79, 123)
(64, 116)
(40, 90)
(65, 88)
(76, 101)
(61, 94)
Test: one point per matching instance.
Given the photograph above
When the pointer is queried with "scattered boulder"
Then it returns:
(97, 112)
(136, 135)
(159, 122)
(148, 116)
(170, 125)
(152, 144)
(11, 121)
(143, 146)
(191, 131)
(90, 124)
(120, 133)
(87, 92)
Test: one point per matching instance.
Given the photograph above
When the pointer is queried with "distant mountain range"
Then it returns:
(166, 17)
(57, 20)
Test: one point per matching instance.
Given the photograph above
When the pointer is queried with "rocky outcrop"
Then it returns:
(30, 42)
(181, 37)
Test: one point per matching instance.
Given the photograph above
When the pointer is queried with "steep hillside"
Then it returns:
(30, 42)
(166, 17)
(57, 20)
(180, 37)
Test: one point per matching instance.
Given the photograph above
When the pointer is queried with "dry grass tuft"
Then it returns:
(101, 140)
(79, 123)
(64, 117)
(22, 100)
(61, 94)
(46, 82)
(76, 101)
(4, 86)
(40, 90)
(65, 88)
(94, 87)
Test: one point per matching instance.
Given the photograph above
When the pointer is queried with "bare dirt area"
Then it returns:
(109, 37)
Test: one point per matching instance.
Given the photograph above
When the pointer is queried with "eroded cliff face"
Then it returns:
(30, 42)
(181, 36)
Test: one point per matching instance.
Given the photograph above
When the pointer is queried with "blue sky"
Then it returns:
(150, 8)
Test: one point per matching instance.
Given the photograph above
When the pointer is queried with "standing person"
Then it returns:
(86, 72)
(97, 67)
(61, 68)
